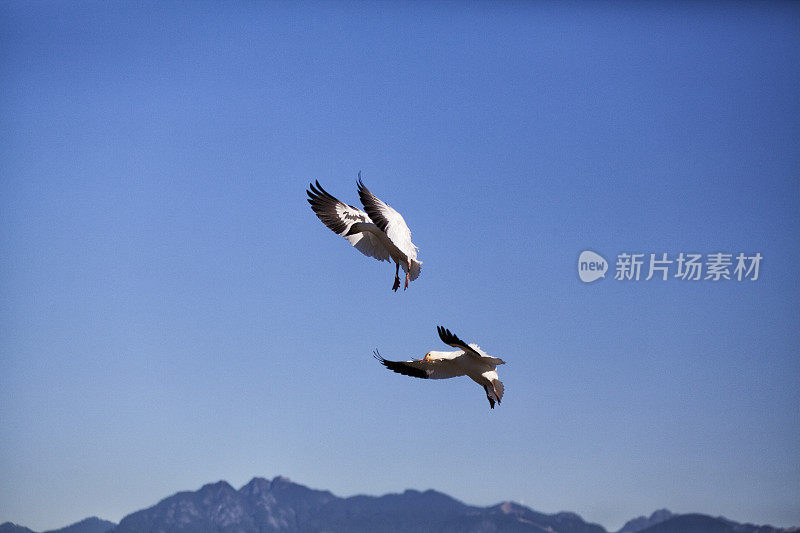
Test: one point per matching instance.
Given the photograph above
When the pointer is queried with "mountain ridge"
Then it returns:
(263, 505)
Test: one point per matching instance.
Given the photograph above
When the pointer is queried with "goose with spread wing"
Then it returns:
(379, 231)
(468, 360)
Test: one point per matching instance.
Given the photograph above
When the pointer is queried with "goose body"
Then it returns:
(467, 360)
(379, 231)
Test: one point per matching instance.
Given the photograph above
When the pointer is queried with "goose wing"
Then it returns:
(452, 339)
(339, 217)
(388, 220)
(420, 368)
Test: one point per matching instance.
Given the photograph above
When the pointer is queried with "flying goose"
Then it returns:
(381, 232)
(468, 360)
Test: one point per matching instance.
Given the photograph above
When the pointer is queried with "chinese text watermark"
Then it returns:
(717, 266)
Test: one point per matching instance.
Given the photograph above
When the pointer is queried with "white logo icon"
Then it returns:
(591, 266)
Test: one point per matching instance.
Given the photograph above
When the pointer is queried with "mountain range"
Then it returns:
(264, 506)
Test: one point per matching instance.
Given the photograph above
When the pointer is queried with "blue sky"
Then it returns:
(172, 312)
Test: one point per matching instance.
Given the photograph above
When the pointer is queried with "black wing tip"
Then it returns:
(362, 189)
(371, 206)
(447, 336)
(400, 367)
(318, 191)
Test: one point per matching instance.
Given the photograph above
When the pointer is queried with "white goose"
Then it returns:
(381, 232)
(469, 360)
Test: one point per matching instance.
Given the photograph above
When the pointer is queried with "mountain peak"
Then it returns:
(641, 523)
(9, 527)
(214, 506)
(87, 525)
(218, 486)
(661, 515)
(257, 485)
(275, 505)
(511, 508)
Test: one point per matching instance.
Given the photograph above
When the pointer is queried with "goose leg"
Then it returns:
(408, 272)
(396, 277)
